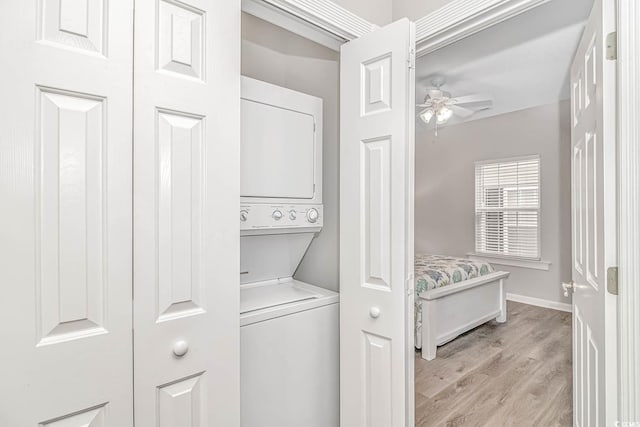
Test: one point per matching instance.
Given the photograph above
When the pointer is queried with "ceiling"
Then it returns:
(521, 63)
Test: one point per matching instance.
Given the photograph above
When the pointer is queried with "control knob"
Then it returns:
(312, 215)
(243, 215)
(277, 215)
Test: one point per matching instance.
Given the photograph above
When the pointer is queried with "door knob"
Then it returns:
(180, 348)
(374, 312)
(568, 286)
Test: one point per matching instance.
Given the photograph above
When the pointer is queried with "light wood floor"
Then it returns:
(512, 374)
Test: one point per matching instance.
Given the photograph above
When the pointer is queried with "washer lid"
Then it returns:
(260, 296)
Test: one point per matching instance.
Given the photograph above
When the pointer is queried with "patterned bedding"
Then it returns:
(435, 271)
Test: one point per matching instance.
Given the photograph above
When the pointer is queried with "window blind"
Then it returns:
(508, 207)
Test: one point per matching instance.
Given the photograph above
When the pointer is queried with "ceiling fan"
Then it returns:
(441, 105)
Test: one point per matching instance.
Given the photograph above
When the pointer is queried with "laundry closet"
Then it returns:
(289, 316)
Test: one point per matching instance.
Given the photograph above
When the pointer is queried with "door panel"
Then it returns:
(376, 228)
(70, 217)
(186, 189)
(65, 224)
(594, 223)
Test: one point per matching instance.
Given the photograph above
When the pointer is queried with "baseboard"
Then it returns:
(540, 302)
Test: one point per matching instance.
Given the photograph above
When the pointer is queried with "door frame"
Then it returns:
(331, 25)
(461, 18)
(628, 97)
(321, 21)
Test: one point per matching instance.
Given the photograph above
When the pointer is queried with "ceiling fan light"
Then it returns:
(444, 114)
(426, 115)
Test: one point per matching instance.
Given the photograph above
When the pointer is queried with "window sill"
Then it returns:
(514, 262)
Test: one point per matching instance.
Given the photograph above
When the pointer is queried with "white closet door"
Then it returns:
(594, 223)
(65, 214)
(377, 120)
(186, 201)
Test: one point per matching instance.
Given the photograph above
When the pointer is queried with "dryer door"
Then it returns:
(277, 152)
(281, 145)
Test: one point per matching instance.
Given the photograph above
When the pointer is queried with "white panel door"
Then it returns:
(376, 228)
(186, 200)
(593, 145)
(65, 218)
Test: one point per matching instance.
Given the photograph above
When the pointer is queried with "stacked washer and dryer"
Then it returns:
(289, 329)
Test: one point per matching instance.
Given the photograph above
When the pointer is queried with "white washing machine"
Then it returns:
(289, 329)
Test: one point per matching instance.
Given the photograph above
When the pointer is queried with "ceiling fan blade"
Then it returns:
(461, 111)
(468, 99)
(423, 105)
(484, 107)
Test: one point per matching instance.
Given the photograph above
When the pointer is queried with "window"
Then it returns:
(508, 207)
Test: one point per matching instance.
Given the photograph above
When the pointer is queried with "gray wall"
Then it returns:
(444, 217)
(375, 11)
(274, 55)
(415, 9)
(382, 12)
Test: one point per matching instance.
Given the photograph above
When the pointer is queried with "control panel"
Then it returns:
(259, 216)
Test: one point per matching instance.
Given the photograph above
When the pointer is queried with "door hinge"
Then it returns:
(408, 285)
(612, 46)
(412, 59)
(612, 280)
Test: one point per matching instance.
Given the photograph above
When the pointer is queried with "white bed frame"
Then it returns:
(452, 310)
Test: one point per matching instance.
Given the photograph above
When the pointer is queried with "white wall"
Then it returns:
(375, 11)
(415, 9)
(444, 217)
(274, 55)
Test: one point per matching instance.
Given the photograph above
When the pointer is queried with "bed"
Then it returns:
(454, 295)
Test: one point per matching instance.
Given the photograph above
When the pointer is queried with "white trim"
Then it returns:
(629, 208)
(514, 262)
(509, 159)
(539, 302)
(322, 21)
(290, 23)
(461, 18)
